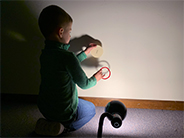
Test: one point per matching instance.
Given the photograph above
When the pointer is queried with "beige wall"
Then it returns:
(142, 42)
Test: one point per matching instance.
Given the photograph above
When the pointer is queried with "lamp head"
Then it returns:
(118, 111)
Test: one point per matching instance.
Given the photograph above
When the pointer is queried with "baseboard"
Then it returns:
(129, 103)
(143, 104)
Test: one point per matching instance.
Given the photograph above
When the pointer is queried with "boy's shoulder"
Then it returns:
(67, 54)
(58, 52)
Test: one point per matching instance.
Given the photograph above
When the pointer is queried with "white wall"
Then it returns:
(142, 42)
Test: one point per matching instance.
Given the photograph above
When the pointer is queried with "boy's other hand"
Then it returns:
(99, 75)
(89, 48)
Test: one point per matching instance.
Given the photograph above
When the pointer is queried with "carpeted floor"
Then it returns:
(18, 119)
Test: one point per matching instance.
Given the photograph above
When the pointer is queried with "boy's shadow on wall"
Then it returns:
(77, 44)
(21, 46)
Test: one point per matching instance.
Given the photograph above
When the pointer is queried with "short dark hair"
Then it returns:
(52, 17)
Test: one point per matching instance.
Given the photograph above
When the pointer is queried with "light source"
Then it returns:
(116, 112)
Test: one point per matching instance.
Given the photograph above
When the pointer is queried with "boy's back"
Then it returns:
(57, 90)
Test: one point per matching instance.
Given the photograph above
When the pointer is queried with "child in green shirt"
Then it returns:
(60, 73)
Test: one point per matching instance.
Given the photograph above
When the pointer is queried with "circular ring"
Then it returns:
(108, 71)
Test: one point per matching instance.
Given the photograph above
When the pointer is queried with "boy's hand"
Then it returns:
(89, 48)
(99, 75)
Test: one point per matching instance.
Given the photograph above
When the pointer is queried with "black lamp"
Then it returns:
(116, 112)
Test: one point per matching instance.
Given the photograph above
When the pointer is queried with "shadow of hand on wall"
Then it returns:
(77, 44)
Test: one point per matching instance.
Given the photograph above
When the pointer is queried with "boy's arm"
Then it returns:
(81, 56)
(78, 75)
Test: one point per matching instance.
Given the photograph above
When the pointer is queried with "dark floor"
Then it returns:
(18, 119)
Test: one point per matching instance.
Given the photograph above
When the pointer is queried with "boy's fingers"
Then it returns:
(93, 44)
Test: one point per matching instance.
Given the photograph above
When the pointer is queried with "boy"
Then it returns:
(60, 72)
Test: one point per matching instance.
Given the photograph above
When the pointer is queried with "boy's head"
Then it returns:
(55, 24)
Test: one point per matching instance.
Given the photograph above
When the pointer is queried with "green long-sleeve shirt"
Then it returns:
(60, 72)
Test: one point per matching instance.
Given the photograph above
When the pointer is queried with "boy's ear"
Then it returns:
(60, 32)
